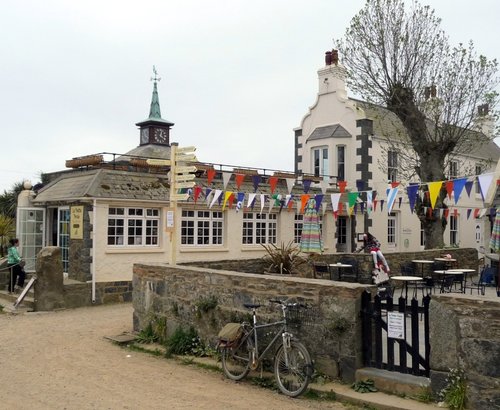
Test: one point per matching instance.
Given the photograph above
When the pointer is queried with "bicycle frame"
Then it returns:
(281, 332)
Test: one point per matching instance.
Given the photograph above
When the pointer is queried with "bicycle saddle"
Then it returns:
(251, 305)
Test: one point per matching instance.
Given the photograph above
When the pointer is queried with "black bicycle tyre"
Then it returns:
(236, 360)
(293, 380)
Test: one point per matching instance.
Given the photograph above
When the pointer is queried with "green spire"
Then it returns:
(154, 111)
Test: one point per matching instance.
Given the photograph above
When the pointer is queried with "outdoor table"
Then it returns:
(450, 272)
(422, 262)
(448, 261)
(465, 272)
(339, 266)
(406, 280)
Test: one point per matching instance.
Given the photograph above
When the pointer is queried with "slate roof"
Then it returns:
(105, 183)
(329, 131)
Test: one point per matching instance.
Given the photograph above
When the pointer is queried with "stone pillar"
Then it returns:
(49, 290)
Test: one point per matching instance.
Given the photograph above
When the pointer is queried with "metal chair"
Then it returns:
(320, 269)
(480, 283)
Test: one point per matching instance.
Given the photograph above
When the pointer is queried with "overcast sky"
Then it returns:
(236, 76)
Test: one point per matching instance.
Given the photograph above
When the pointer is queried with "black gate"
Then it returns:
(408, 350)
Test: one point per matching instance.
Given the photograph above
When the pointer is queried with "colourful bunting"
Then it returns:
(342, 186)
(239, 178)
(256, 181)
(273, 181)
(307, 185)
(434, 188)
(210, 175)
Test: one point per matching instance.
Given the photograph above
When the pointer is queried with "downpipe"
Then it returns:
(94, 220)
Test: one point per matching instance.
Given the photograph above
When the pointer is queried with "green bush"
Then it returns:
(283, 259)
(455, 392)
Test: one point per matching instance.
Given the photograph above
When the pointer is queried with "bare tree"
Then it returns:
(399, 57)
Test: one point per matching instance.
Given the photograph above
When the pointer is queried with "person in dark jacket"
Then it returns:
(14, 262)
(372, 245)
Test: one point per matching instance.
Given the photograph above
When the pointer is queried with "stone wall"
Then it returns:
(79, 251)
(465, 333)
(207, 299)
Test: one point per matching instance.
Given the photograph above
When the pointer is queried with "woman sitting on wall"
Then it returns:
(372, 245)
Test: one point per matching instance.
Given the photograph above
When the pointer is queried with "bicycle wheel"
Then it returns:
(236, 360)
(293, 379)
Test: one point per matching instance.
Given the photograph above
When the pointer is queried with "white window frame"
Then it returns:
(392, 230)
(453, 169)
(133, 227)
(202, 228)
(454, 229)
(320, 162)
(259, 228)
(30, 228)
(341, 170)
(392, 165)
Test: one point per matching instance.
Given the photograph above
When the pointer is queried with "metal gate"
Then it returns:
(396, 341)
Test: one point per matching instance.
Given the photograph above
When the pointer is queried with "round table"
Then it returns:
(422, 262)
(406, 280)
(465, 272)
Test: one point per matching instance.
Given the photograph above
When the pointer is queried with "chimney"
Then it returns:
(328, 58)
(484, 121)
(335, 57)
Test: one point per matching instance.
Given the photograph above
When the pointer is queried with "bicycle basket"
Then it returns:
(302, 316)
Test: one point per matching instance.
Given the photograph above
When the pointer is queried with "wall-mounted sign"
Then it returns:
(76, 222)
(396, 325)
(169, 226)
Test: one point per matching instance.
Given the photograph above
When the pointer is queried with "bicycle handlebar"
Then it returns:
(284, 303)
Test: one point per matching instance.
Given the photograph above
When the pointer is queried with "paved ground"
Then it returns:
(61, 360)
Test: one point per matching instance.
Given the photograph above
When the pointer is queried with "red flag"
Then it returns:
(394, 184)
(272, 183)
(340, 208)
(197, 192)
(446, 212)
(342, 186)
(449, 188)
(231, 200)
(210, 175)
(239, 178)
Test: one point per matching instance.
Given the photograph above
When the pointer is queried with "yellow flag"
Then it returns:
(227, 194)
(434, 188)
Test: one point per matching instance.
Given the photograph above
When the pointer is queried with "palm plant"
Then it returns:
(283, 259)
(7, 230)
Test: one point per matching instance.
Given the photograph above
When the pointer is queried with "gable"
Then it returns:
(329, 131)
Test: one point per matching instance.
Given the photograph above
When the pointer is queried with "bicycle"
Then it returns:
(293, 367)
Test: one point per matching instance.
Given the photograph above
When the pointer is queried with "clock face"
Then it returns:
(160, 135)
(144, 135)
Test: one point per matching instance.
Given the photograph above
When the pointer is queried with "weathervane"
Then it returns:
(155, 78)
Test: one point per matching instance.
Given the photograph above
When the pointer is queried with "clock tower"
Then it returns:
(154, 129)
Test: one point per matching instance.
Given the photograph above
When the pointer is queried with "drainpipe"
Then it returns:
(94, 219)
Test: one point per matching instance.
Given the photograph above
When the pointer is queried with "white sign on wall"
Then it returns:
(396, 325)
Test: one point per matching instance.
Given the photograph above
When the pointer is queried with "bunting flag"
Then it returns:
(469, 211)
(210, 175)
(381, 205)
(251, 200)
(434, 188)
(449, 188)
(369, 202)
(319, 199)
(303, 202)
(352, 197)
(197, 193)
(482, 213)
(240, 198)
(412, 192)
(239, 178)
(290, 204)
(231, 200)
(288, 198)
(342, 186)
(272, 183)
(400, 199)
(217, 195)
(340, 209)
(307, 185)
(375, 205)
(289, 184)
(468, 187)
(208, 194)
(226, 176)
(446, 213)
(335, 202)
(458, 186)
(256, 181)
(391, 198)
(484, 183)
(349, 209)
(362, 207)
(227, 195)
(394, 184)
(324, 185)
(476, 213)
(262, 202)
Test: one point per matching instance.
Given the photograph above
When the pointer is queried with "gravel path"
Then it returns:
(61, 360)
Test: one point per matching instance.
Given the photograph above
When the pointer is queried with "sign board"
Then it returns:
(182, 150)
(190, 184)
(76, 222)
(158, 162)
(186, 158)
(185, 177)
(185, 169)
(170, 220)
(179, 197)
(396, 325)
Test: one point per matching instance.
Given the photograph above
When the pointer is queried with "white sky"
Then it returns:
(237, 76)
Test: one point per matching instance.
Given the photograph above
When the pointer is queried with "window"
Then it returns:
(259, 228)
(31, 234)
(392, 166)
(201, 228)
(63, 236)
(340, 162)
(342, 230)
(478, 172)
(391, 229)
(452, 170)
(320, 162)
(297, 226)
(453, 230)
(133, 226)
